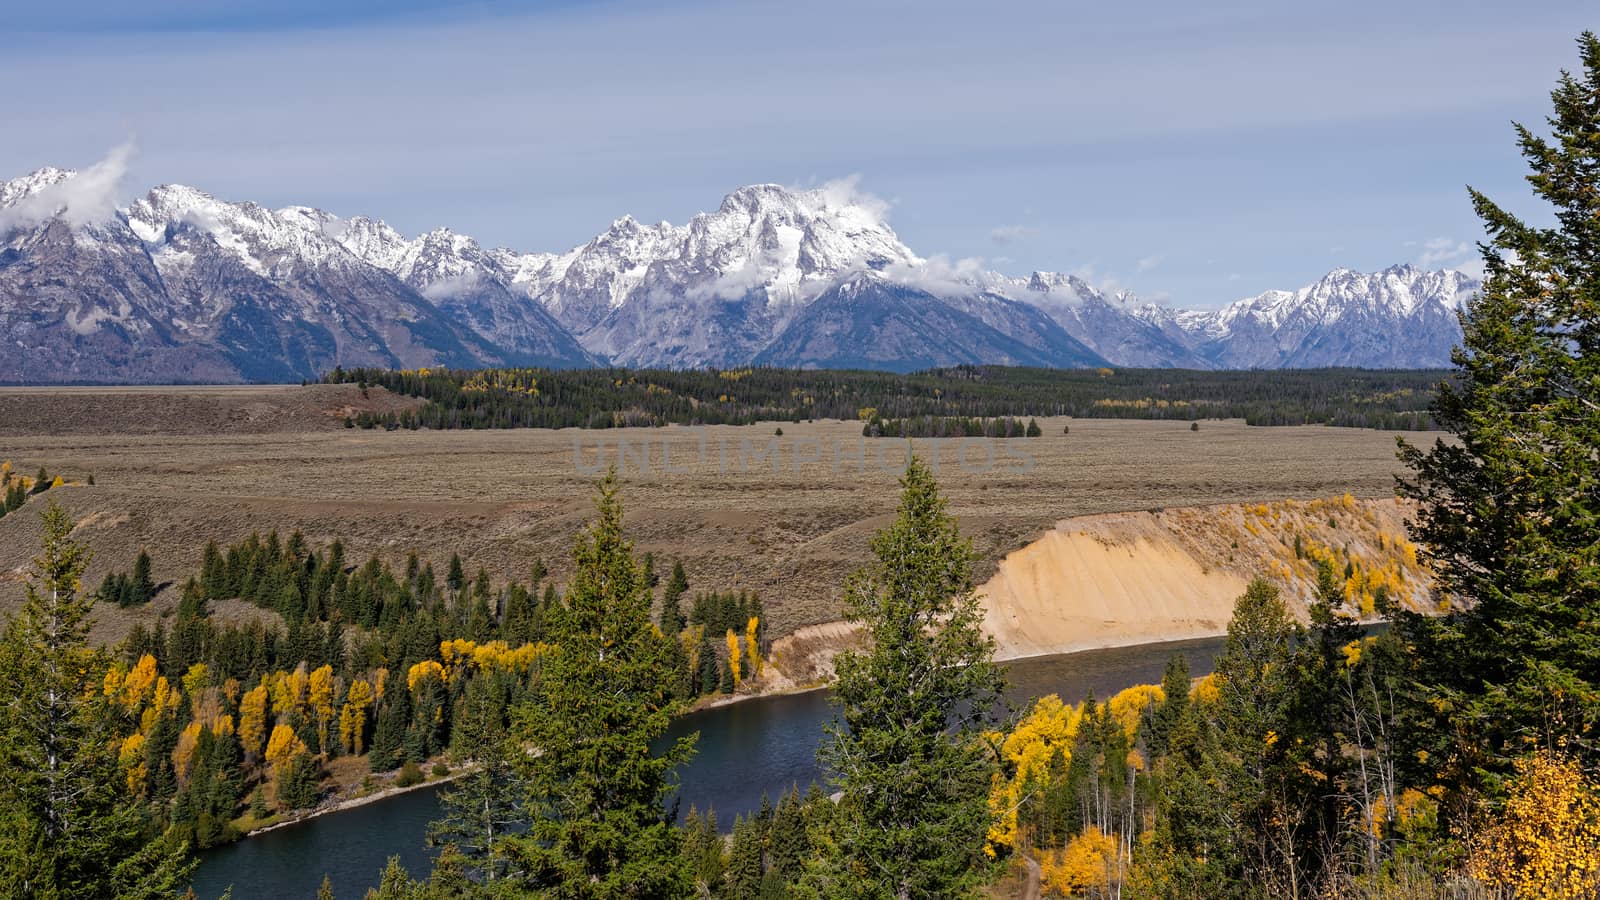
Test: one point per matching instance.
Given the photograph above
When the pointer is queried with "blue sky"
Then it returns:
(1195, 153)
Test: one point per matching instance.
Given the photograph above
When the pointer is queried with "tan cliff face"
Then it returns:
(1128, 578)
(1076, 590)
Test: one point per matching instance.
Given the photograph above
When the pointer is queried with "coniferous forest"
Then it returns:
(1454, 754)
(612, 398)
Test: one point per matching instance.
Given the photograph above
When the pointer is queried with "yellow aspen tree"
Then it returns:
(140, 680)
(321, 689)
(131, 757)
(425, 669)
(253, 720)
(733, 657)
(282, 698)
(1546, 842)
(197, 676)
(164, 700)
(283, 746)
(353, 718)
(752, 645)
(1086, 863)
(183, 753)
(379, 679)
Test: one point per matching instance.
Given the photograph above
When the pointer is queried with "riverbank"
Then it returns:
(1153, 576)
(745, 751)
(337, 804)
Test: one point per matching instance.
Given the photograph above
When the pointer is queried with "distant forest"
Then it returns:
(611, 398)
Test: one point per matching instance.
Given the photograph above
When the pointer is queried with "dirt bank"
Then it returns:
(1120, 579)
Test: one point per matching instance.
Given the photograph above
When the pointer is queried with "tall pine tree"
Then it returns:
(597, 786)
(909, 758)
(68, 828)
(1510, 509)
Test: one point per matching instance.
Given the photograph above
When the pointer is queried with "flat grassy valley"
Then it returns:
(176, 467)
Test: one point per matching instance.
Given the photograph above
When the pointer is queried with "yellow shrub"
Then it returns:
(1090, 859)
(1546, 842)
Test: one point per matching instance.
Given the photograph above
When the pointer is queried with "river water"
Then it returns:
(745, 750)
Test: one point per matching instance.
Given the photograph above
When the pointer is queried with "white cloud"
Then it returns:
(730, 285)
(1449, 253)
(1149, 262)
(1105, 282)
(846, 192)
(452, 286)
(1007, 234)
(1437, 251)
(941, 276)
(87, 198)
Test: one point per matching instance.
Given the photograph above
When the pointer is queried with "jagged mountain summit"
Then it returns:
(180, 286)
(1401, 317)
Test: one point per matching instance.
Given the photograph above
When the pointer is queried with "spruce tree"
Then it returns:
(908, 757)
(456, 577)
(388, 738)
(744, 861)
(141, 587)
(672, 620)
(70, 828)
(1262, 760)
(708, 679)
(1507, 509)
(597, 787)
(481, 806)
(1163, 717)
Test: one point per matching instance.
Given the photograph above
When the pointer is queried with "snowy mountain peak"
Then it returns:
(813, 276)
(17, 189)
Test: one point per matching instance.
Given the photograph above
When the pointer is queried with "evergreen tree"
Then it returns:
(597, 787)
(299, 779)
(394, 720)
(788, 846)
(908, 758)
(672, 620)
(1507, 510)
(708, 678)
(481, 806)
(1164, 716)
(1261, 757)
(141, 587)
(70, 829)
(744, 861)
(456, 577)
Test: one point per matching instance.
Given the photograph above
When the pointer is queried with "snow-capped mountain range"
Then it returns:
(179, 286)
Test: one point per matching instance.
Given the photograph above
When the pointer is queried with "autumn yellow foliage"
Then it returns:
(353, 717)
(423, 671)
(1091, 858)
(753, 646)
(733, 657)
(1128, 705)
(1546, 841)
(284, 745)
(1049, 726)
(463, 656)
(253, 720)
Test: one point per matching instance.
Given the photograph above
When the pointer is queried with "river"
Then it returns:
(746, 749)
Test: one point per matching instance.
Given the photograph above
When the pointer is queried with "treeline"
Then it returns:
(951, 426)
(609, 398)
